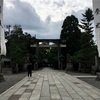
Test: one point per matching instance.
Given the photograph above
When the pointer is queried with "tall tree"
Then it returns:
(86, 25)
(71, 33)
(87, 21)
(87, 43)
(18, 44)
(88, 48)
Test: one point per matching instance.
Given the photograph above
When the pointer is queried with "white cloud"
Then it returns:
(42, 17)
(58, 9)
(21, 13)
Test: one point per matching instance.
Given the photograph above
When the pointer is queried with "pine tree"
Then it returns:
(88, 48)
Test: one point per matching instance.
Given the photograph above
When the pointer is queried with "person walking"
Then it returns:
(29, 69)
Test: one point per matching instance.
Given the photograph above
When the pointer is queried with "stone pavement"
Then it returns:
(48, 84)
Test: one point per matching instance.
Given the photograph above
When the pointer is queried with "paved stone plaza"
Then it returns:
(48, 84)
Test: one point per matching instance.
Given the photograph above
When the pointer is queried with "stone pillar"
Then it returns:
(97, 64)
(1, 74)
(37, 55)
(69, 65)
(0, 65)
(58, 55)
(80, 69)
(95, 68)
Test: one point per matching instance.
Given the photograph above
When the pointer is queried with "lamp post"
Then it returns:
(61, 61)
(35, 62)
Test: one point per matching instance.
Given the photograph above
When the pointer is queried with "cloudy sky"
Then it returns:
(42, 18)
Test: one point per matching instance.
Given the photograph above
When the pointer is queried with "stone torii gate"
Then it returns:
(57, 44)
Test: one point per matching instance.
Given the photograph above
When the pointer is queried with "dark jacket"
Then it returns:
(29, 67)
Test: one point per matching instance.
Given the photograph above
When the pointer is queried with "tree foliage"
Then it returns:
(88, 48)
(18, 44)
(71, 33)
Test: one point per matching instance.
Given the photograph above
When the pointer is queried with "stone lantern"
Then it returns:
(35, 62)
(61, 61)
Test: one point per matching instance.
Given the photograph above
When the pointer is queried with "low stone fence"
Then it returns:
(98, 76)
(1, 77)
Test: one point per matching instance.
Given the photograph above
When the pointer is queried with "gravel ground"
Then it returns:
(90, 80)
(10, 80)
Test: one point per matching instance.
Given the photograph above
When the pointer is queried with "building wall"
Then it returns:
(96, 10)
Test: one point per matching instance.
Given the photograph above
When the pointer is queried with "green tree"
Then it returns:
(18, 45)
(86, 24)
(71, 33)
(88, 48)
(87, 21)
